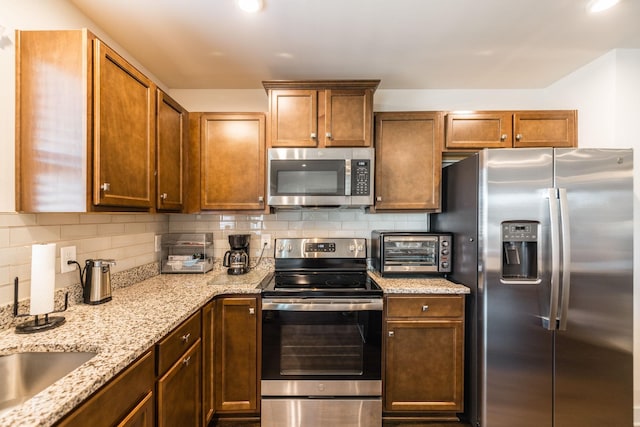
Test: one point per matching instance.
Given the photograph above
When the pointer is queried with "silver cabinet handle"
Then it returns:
(379, 199)
(261, 199)
(105, 186)
(163, 196)
(186, 337)
(313, 135)
(425, 308)
(328, 135)
(391, 333)
(503, 137)
(186, 361)
(518, 137)
(252, 310)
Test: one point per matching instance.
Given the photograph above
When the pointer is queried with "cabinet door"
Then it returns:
(208, 384)
(408, 161)
(180, 391)
(141, 415)
(293, 118)
(123, 124)
(171, 130)
(348, 121)
(236, 355)
(232, 161)
(474, 131)
(545, 129)
(424, 365)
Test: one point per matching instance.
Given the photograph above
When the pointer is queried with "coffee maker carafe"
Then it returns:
(237, 259)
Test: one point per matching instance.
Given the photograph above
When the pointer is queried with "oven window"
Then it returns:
(410, 252)
(321, 350)
(312, 344)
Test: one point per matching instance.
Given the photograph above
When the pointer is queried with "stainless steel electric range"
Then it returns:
(321, 336)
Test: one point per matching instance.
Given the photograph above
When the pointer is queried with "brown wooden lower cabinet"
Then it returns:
(123, 401)
(423, 351)
(180, 391)
(208, 354)
(236, 356)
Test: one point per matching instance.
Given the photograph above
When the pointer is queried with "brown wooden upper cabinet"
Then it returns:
(171, 134)
(85, 126)
(334, 113)
(408, 166)
(227, 162)
(505, 129)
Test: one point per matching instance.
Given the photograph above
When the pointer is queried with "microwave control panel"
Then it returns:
(360, 177)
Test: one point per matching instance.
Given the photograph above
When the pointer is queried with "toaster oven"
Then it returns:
(411, 252)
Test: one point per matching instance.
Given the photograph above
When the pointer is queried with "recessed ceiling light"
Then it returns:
(595, 6)
(250, 5)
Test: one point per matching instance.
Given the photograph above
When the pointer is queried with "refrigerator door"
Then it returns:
(517, 385)
(594, 362)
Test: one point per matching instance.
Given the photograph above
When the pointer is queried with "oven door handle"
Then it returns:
(322, 304)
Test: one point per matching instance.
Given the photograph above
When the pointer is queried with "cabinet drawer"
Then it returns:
(170, 348)
(425, 306)
(114, 401)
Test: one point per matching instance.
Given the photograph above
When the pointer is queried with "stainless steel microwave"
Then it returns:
(316, 177)
(411, 252)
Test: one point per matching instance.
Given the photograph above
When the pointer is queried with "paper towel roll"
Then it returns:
(43, 278)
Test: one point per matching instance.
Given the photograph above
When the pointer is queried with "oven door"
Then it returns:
(321, 339)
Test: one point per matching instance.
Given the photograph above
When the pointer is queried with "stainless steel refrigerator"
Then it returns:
(544, 239)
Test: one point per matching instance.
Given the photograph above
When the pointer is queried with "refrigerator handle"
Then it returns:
(554, 216)
(566, 259)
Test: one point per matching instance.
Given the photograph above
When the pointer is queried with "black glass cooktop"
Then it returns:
(321, 284)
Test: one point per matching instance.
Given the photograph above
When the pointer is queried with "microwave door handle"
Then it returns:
(347, 177)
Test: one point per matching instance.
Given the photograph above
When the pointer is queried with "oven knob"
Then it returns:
(444, 265)
(445, 252)
(445, 243)
(352, 248)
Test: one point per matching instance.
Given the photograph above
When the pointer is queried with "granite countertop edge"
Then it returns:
(138, 316)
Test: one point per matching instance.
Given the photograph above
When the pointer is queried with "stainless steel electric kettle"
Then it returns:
(97, 281)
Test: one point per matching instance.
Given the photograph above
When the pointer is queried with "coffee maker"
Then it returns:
(237, 259)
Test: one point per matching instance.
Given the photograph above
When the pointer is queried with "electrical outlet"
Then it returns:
(158, 242)
(265, 238)
(67, 253)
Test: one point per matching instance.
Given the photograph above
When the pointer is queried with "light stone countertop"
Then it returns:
(138, 317)
(120, 331)
(418, 285)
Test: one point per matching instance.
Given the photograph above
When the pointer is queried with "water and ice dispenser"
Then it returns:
(520, 251)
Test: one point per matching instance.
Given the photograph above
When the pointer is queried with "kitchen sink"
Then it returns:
(23, 375)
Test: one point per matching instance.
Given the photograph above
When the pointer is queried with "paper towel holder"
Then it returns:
(37, 324)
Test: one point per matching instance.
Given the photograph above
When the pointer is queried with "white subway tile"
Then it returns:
(29, 235)
(57, 219)
(78, 231)
(110, 229)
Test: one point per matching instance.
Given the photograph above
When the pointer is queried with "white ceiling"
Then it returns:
(407, 44)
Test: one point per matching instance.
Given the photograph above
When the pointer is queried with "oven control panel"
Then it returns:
(320, 248)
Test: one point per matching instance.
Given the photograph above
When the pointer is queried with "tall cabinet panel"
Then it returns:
(123, 113)
(85, 121)
(408, 161)
(232, 161)
(171, 135)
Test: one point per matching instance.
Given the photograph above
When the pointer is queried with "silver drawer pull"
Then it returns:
(425, 308)
(163, 196)
(252, 310)
(186, 337)
(391, 333)
(105, 186)
(186, 361)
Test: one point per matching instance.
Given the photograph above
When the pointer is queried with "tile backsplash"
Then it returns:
(129, 238)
